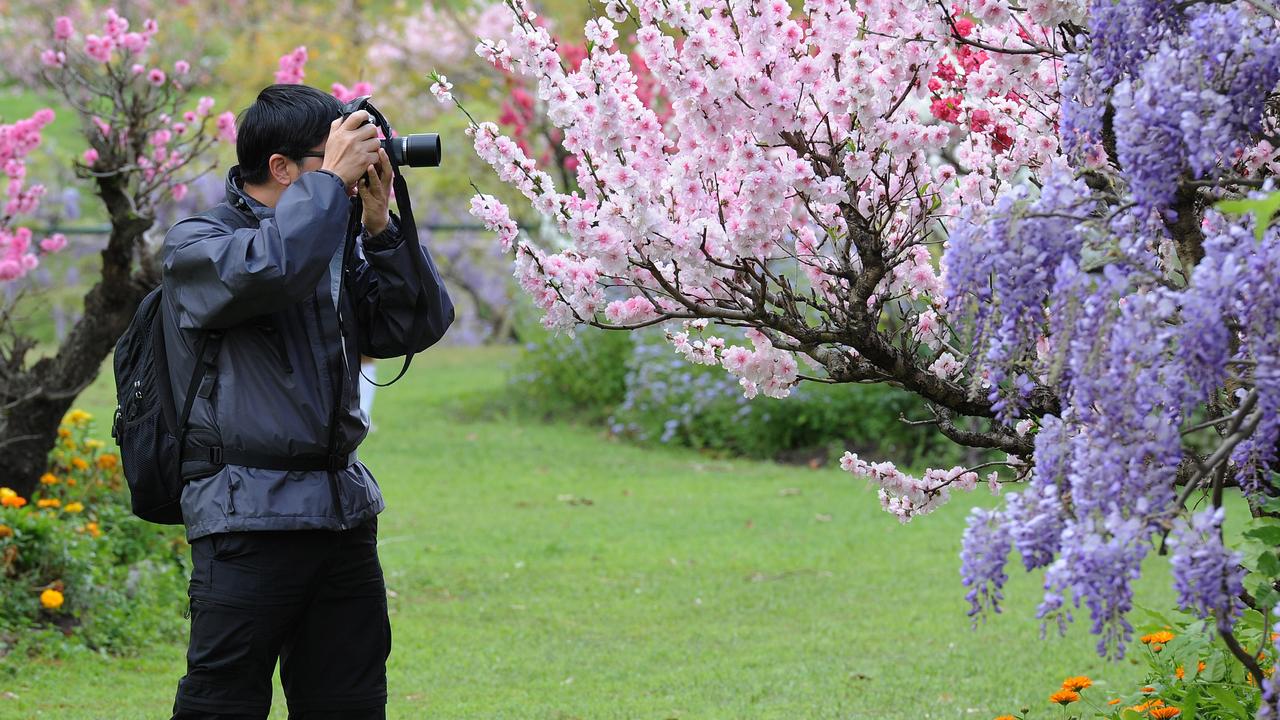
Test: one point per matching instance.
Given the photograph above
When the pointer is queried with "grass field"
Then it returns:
(545, 571)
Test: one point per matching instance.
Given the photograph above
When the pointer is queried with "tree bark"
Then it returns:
(34, 399)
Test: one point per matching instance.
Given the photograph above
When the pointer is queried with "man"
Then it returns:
(281, 515)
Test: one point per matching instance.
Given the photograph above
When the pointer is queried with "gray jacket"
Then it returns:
(293, 307)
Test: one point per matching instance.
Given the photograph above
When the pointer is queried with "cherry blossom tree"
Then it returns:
(147, 137)
(1008, 209)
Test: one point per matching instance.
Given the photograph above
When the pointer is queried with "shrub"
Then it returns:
(74, 560)
(1191, 674)
(583, 376)
(644, 391)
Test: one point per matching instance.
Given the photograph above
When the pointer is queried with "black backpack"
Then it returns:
(146, 426)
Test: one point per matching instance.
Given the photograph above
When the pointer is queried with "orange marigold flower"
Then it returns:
(51, 599)
(1080, 682)
(1006, 717)
(74, 507)
(1148, 689)
(1179, 673)
(1165, 712)
(79, 463)
(1113, 701)
(64, 433)
(48, 479)
(92, 529)
(6, 531)
(9, 498)
(1200, 666)
(1064, 697)
(1162, 636)
(108, 461)
(48, 503)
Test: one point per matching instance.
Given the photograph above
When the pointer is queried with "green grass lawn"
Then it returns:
(546, 571)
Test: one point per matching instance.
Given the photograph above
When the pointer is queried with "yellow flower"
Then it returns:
(1077, 683)
(92, 444)
(9, 498)
(77, 417)
(6, 531)
(1064, 697)
(49, 503)
(79, 463)
(74, 507)
(48, 479)
(69, 444)
(64, 433)
(51, 599)
(108, 461)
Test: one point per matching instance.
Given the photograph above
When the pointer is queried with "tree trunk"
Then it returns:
(34, 399)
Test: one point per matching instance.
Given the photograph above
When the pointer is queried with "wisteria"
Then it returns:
(1208, 577)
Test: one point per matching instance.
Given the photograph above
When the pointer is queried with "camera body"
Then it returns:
(415, 150)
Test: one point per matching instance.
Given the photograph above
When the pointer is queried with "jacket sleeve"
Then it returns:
(220, 276)
(401, 302)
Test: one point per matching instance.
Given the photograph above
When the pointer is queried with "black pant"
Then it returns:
(314, 599)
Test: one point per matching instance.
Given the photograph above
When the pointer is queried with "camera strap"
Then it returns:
(409, 233)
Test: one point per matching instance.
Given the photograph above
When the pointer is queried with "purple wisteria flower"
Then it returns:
(984, 551)
(1207, 576)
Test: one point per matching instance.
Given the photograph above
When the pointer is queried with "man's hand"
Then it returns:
(352, 147)
(375, 194)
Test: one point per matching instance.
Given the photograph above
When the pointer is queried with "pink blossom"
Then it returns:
(90, 157)
(135, 42)
(53, 243)
(62, 28)
(181, 67)
(292, 66)
(156, 77)
(115, 25)
(204, 106)
(99, 48)
(440, 88)
(138, 68)
(227, 127)
(53, 58)
(178, 191)
(345, 94)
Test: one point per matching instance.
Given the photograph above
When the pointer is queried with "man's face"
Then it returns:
(311, 161)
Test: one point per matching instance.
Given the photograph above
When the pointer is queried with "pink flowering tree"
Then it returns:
(147, 137)
(1007, 209)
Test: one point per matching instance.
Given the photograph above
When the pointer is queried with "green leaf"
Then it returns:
(1191, 703)
(1262, 209)
(1269, 534)
(1269, 564)
(1264, 593)
(1228, 700)
(1252, 619)
(1272, 505)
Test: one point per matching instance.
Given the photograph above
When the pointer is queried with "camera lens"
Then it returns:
(416, 150)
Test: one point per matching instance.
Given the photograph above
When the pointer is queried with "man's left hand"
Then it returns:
(375, 194)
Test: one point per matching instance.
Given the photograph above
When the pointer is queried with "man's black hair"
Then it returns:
(285, 119)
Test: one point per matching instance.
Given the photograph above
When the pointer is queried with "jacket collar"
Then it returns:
(241, 200)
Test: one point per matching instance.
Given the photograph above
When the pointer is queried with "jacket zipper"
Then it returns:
(333, 418)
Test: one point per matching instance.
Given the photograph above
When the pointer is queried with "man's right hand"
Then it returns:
(352, 147)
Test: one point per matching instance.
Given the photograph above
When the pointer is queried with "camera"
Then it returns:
(416, 150)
